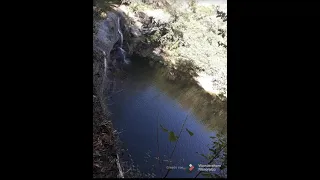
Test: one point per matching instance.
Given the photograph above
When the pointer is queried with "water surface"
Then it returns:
(146, 99)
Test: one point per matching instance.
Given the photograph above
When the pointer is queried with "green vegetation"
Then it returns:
(217, 155)
(106, 5)
(192, 4)
(155, 38)
(194, 33)
(138, 6)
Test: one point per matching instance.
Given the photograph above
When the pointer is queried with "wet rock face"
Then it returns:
(104, 39)
(117, 54)
(107, 45)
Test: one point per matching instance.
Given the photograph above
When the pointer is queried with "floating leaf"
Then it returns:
(172, 137)
(164, 129)
(190, 133)
(212, 137)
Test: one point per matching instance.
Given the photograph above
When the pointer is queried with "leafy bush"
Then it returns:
(217, 155)
(106, 5)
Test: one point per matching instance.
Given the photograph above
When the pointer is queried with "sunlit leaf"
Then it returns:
(172, 137)
(190, 133)
(164, 129)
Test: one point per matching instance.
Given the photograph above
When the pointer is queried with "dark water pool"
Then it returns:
(142, 102)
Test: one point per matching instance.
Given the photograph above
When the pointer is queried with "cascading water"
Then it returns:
(122, 51)
(126, 60)
(105, 62)
(120, 33)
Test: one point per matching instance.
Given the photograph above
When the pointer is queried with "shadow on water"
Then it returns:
(179, 85)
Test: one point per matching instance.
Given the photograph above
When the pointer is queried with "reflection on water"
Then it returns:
(147, 99)
(210, 110)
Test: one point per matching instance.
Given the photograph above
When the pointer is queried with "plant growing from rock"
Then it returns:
(217, 155)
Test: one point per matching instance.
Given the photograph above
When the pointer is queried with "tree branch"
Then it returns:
(176, 145)
(212, 159)
(158, 144)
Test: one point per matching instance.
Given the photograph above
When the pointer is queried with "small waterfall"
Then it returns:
(120, 33)
(105, 63)
(122, 51)
(126, 61)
